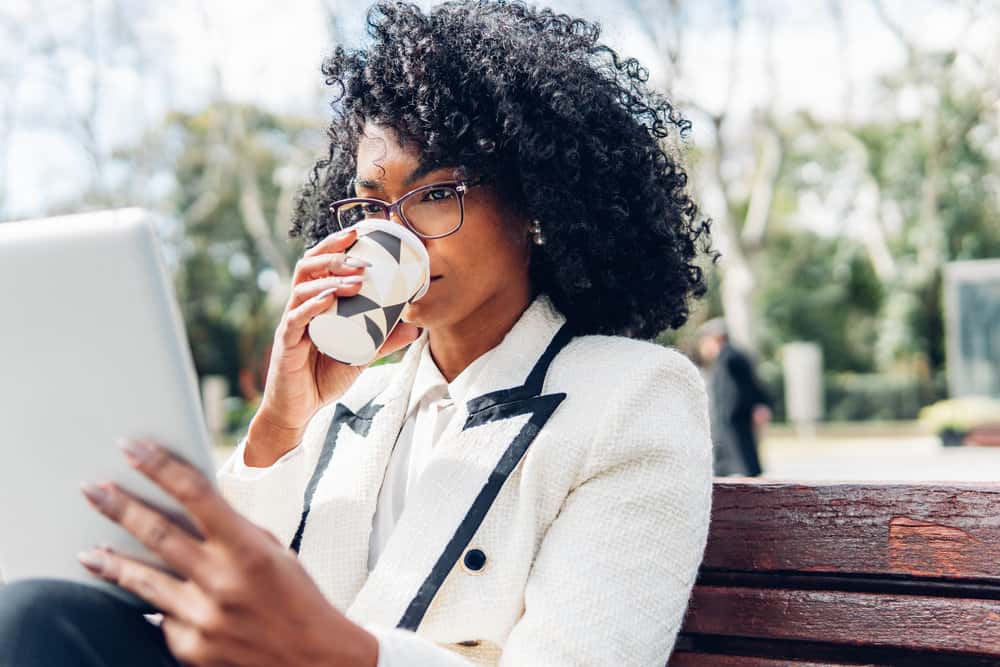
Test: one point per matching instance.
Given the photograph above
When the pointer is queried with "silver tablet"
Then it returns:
(91, 349)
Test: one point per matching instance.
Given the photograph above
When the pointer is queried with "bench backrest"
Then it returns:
(837, 574)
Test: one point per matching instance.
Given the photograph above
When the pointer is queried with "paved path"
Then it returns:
(873, 457)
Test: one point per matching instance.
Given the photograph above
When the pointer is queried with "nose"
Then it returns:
(395, 216)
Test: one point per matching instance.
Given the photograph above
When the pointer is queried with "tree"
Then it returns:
(928, 172)
(915, 188)
(824, 290)
(235, 170)
(738, 194)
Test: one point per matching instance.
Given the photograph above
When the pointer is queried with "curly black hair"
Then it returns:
(567, 130)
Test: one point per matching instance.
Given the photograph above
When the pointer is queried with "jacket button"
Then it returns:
(474, 561)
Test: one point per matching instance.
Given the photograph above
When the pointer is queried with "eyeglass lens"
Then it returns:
(430, 212)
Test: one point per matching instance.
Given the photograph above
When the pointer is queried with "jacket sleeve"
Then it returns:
(403, 648)
(262, 494)
(612, 577)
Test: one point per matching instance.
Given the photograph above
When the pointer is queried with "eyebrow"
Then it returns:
(418, 173)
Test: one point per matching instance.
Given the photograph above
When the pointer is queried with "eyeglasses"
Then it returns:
(431, 211)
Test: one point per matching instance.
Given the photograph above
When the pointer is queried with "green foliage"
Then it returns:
(878, 396)
(821, 290)
(222, 161)
(948, 154)
(862, 396)
(239, 413)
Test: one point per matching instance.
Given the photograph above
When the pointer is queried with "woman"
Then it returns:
(527, 486)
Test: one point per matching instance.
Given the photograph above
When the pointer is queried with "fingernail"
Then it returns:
(94, 560)
(326, 294)
(352, 280)
(356, 263)
(136, 451)
(95, 493)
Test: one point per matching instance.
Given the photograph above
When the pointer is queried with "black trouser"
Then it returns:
(48, 623)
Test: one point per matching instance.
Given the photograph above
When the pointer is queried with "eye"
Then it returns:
(439, 194)
(371, 209)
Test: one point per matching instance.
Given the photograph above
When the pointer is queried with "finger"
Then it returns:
(404, 334)
(158, 532)
(345, 286)
(212, 515)
(297, 319)
(338, 242)
(183, 640)
(193, 645)
(320, 266)
(162, 590)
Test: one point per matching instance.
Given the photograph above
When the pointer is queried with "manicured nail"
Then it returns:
(95, 493)
(136, 451)
(356, 263)
(352, 280)
(325, 294)
(93, 560)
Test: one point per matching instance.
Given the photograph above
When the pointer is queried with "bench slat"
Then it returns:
(712, 650)
(688, 659)
(906, 530)
(912, 622)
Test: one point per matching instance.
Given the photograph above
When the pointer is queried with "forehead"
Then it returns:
(379, 148)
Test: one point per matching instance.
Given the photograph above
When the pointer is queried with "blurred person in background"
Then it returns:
(399, 517)
(740, 406)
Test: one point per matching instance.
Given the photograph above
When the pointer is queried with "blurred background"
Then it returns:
(846, 151)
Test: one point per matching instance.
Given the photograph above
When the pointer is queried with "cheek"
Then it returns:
(471, 263)
(485, 254)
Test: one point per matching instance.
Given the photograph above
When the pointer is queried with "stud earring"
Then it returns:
(536, 233)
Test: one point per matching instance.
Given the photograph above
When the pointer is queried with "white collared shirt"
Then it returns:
(430, 410)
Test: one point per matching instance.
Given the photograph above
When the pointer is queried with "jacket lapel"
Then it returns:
(340, 499)
(470, 464)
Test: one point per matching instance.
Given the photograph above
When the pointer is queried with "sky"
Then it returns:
(269, 53)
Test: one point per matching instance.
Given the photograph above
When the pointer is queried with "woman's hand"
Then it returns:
(300, 378)
(239, 597)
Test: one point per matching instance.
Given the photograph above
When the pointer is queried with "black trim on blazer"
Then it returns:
(494, 406)
(532, 386)
(360, 422)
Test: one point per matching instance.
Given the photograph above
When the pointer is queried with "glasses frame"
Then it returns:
(461, 187)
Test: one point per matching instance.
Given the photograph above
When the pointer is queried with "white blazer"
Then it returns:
(560, 521)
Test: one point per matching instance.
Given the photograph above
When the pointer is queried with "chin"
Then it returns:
(436, 308)
(422, 312)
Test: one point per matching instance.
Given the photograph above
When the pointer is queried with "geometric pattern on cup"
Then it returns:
(388, 241)
(395, 275)
(355, 305)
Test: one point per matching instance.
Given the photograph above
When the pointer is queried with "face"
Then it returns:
(709, 348)
(481, 266)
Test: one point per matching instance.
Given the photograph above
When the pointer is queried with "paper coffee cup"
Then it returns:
(354, 328)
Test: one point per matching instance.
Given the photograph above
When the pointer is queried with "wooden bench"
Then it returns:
(803, 575)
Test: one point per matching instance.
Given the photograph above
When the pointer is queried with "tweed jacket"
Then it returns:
(560, 521)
